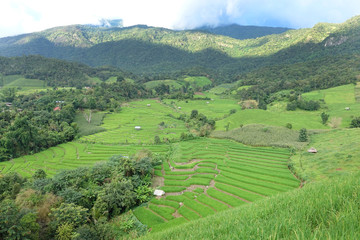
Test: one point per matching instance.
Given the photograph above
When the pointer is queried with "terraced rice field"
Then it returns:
(120, 127)
(71, 155)
(206, 176)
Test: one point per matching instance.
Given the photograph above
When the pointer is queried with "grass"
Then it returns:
(86, 128)
(120, 127)
(22, 83)
(174, 84)
(262, 135)
(71, 155)
(325, 210)
(217, 108)
(198, 81)
(338, 154)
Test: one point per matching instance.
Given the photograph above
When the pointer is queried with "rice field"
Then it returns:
(150, 115)
(71, 155)
(205, 176)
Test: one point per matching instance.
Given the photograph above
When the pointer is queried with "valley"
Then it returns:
(93, 120)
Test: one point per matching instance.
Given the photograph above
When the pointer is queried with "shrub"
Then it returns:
(355, 123)
(303, 135)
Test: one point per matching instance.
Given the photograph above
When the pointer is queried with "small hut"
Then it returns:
(207, 102)
(57, 109)
(159, 193)
(137, 127)
(312, 150)
(148, 105)
(179, 107)
(347, 108)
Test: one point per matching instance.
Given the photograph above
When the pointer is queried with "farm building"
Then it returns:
(57, 109)
(347, 108)
(312, 150)
(179, 107)
(148, 105)
(137, 127)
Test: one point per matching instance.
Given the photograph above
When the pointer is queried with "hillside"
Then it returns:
(51, 72)
(326, 210)
(142, 49)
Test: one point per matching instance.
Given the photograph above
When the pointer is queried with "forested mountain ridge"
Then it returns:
(142, 49)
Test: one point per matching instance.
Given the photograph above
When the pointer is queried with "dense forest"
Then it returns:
(75, 204)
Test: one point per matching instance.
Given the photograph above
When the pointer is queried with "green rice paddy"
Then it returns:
(213, 175)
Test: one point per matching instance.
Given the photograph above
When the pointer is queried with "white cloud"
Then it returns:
(19, 16)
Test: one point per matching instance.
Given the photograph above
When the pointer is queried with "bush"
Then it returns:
(355, 123)
(303, 135)
(288, 125)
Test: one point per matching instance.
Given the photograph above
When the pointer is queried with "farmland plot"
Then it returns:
(206, 176)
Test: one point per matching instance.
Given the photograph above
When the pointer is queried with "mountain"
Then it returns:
(148, 50)
(243, 32)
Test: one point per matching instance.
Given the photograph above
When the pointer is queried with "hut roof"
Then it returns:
(159, 193)
(312, 150)
(57, 109)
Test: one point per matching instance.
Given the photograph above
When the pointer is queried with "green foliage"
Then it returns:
(324, 117)
(288, 125)
(303, 135)
(39, 174)
(16, 224)
(69, 213)
(355, 123)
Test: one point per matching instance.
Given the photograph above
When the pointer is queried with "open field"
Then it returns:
(71, 155)
(217, 108)
(205, 176)
(338, 154)
(198, 81)
(120, 127)
(174, 84)
(336, 99)
(263, 135)
(86, 128)
(21, 83)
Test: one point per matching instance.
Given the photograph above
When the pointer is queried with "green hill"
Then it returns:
(142, 49)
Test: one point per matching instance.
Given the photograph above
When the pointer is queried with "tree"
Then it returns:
(288, 125)
(194, 114)
(157, 139)
(324, 117)
(69, 213)
(303, 135)
(355, 123)
(39, 174)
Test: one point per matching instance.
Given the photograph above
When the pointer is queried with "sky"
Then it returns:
(24, 16)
